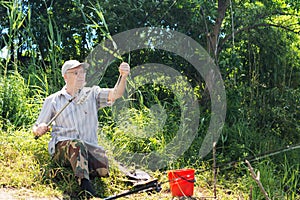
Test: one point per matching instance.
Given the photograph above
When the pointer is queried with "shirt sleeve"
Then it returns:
(47, 112)
(102, 97)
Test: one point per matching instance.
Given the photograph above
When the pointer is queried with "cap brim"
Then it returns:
(84, 64)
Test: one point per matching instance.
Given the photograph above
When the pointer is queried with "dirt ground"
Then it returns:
(13, 194)
(26, 194)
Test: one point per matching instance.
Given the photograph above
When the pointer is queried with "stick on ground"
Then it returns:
(256, 178)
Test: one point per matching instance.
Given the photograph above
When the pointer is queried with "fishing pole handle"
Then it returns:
(56, 115)
(38, 136)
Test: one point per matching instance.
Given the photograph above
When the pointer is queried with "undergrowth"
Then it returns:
(259, 118)
(25, 162)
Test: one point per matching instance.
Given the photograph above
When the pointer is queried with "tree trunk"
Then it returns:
(214, 36)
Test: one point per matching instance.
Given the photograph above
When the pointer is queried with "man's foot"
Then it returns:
(87, 188)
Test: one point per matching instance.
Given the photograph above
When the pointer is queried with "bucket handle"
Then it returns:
(182, 177)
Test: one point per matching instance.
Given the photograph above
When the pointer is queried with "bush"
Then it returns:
(18, 105)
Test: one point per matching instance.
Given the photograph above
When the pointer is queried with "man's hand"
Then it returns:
(124, 69)
(40, 129)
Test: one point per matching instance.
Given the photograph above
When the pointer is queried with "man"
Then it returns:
(74, 139)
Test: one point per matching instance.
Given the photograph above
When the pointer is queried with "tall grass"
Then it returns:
(16, 19)
(54, 56)
(18, 104)
(26, 163)
(290, 179)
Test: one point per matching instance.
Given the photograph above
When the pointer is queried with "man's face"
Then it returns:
(75, 78)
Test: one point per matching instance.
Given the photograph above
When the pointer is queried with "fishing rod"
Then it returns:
(80, 101)
(57, 114)
(231, 164)
(275, 152)
(154, 185)
(86, 94)
(146, 186)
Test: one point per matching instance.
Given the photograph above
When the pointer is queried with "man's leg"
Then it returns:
(98, 160)
(74, 153)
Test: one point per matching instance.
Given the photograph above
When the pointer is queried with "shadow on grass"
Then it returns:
(63, 179)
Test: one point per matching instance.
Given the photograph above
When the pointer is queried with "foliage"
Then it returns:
(255, 44)
(20, 102)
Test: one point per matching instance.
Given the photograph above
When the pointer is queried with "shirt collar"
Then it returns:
(63, 92)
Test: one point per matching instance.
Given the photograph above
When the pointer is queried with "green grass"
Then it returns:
(266, 120)
(25, 163)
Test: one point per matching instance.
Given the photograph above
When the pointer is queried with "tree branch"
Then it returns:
(256, 178)
(229, 36)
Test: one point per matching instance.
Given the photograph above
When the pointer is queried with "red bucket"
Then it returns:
(182, 182)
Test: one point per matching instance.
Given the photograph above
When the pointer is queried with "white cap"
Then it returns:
(70, 64)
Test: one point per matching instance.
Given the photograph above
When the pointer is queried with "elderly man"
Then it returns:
(74, 140)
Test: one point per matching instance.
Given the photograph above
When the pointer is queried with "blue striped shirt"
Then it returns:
(79, 120)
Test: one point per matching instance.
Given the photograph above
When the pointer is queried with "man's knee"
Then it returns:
(103, 172)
